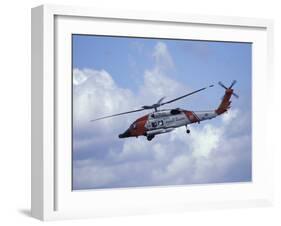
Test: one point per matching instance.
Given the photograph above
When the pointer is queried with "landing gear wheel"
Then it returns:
(187, 130)
(150, 137)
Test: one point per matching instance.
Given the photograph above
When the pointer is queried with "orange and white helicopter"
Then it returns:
(166, 120)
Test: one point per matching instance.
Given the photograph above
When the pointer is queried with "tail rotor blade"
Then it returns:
(234, 94)
(222, 85)
(232, 84)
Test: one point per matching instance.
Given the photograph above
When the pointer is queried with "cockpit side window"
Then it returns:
(134, 126)
(175, 111)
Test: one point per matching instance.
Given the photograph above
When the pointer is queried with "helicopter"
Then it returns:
(161, 121)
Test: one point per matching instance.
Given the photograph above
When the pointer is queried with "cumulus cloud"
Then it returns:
(95, 93)
(211, 153)
(162, 56)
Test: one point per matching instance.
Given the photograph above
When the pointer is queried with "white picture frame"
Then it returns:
(52, 197)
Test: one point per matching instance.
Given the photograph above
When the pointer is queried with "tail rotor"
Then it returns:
(230, 87)
(225, 103)
(232, 84)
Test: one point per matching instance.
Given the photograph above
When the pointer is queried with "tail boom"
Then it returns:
(225, 103)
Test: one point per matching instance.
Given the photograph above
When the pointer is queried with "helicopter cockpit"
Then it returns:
(133, 126)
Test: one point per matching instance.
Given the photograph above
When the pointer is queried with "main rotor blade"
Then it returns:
(123, 113)
(232, 84)
(222, 85)
(160, 101)
(189, 94)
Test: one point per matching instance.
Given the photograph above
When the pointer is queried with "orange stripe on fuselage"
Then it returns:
(191, 116)
(198, 119)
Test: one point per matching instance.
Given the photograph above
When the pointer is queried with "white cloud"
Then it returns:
(207, 154)
(96, 95)
(162, 56)
(205, 140)
(78, 77)
(90, 175)
(157, 84)
(230, 115)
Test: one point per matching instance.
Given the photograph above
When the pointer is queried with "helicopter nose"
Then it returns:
(125, 134)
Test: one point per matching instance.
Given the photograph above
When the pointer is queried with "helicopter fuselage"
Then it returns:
(164, 121)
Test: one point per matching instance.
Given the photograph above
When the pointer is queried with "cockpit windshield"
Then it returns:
(133, 126)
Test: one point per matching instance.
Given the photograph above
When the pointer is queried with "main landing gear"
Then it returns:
(187, 130)
(150, 137)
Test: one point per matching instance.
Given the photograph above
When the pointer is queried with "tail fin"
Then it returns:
(225, 103)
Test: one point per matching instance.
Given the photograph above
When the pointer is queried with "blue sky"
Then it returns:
(115, 74)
